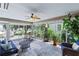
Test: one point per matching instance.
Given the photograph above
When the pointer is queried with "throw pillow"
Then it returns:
(3, 42)
(10, 45)
(75, 47)
(4, 46)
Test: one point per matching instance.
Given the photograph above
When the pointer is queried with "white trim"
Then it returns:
(13, 21)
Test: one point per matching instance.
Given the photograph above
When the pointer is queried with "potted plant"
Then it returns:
(48, 34)
(55, 40)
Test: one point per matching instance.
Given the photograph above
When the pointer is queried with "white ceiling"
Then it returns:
(46, 10)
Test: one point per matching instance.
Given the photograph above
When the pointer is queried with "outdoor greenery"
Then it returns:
(39, 31)
(46, 32)
(63, 36)
(18, 30)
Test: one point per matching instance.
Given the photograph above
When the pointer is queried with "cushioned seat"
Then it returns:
(10, 51)
(68, 50)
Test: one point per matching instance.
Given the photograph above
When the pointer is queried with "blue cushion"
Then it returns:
(11, 50)
(77, 42)
(5, 46)
(62, 47)
(13, 45)
(3, 41)
(1, 50)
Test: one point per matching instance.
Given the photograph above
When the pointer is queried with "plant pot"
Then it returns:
(54, 43)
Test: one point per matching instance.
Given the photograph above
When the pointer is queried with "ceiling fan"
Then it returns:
(33, 17)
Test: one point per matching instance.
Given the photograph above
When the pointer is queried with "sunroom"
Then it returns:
(39, 29)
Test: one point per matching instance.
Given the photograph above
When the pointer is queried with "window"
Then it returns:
(59, 27)
(28, 26)
(17, 32)
(2, 31)
(4, 6)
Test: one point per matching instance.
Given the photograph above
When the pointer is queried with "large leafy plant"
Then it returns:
(71, 24)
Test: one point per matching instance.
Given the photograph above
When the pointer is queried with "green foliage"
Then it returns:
(50, 33)
(72, 25)
(15, 27)
(45, 32)
(67, 23)
(19, 32)
(39, 31)
(56, 36)
(63, 36)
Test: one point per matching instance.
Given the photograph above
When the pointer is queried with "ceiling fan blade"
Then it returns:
(37, 18)
(28, 18)
(32, 17)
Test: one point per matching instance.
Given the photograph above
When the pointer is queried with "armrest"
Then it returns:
(67, 45)
(70, 52)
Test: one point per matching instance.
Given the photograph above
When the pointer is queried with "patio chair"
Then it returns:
(25, 43)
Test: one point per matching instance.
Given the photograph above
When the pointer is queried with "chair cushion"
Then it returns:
(63, 45)
(7, 46)
(8, 49)
(75, 47)
(12, 44)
